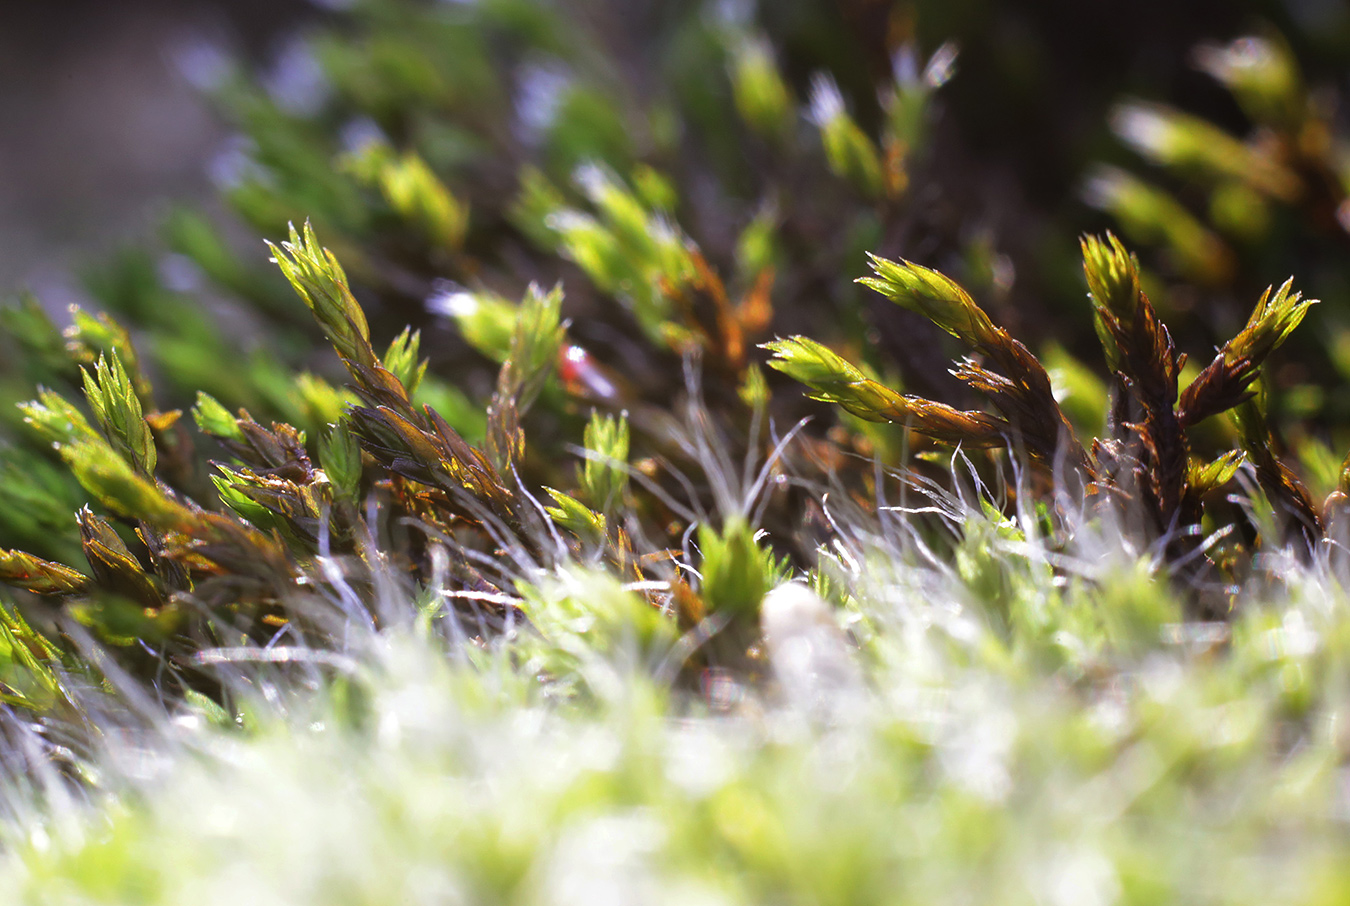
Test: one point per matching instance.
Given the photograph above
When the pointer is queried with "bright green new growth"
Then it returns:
(604, 475)
(118, 412)
(535, 344)
(1225, 381)
(592, 631)
(90, 337)
(1113, 281)
(833, 379)
(29, 664)
(933, 295)
(56, 421)
(340, 457)
(1205, 477)
(1262, 74)
(401, 359)
(214, 419)
(319, 280)
(1270, 324)
(736, 571)
(1150, 214)
(1143, 456)
(571, 514)
(632, 250)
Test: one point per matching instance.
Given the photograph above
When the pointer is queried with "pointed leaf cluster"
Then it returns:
(736, 571)
(1151, 214)
(535, 346)
(319, 280)
(114, 567)
(485, 320)
(214, 419)
(1020, 388)
(574, 516)
(90, 337)
(604, 475)
(1143, 461)
(117, 410)
(56, 420)
(401, 359)
(1225, 382)
(417, 444)
(1113, 284)
(1186, 142)
(835, 380)
(40, 576)
(340, 456)
(1205, 477)
(1147, 456)
(933, 295)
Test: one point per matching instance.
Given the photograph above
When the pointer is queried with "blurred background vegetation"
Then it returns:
(103, 122)
(108, 117)
(103, 117)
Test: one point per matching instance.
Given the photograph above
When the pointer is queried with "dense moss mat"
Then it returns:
(563, 513)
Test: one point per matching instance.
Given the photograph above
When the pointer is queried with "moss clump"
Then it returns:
(498, 567)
